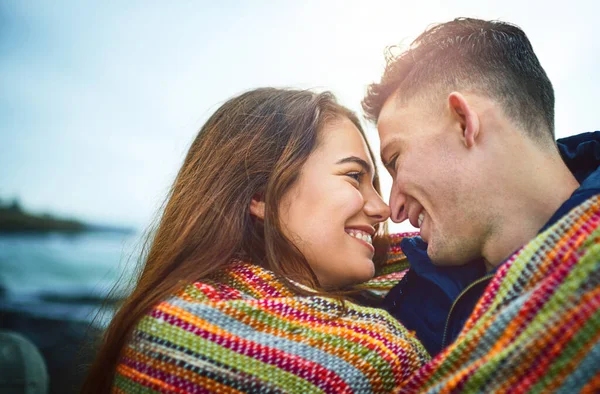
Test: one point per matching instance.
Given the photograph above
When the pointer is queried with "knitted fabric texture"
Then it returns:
(537, 326)
(392, 270)
(244, 331)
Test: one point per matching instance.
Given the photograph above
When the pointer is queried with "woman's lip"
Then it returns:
(368, 245)
(367, 229)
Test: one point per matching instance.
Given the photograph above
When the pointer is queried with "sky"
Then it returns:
(99, 101)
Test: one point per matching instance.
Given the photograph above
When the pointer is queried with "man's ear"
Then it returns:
(257, 206)
(467, 117)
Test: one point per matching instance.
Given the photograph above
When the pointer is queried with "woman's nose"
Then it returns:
(377, 208)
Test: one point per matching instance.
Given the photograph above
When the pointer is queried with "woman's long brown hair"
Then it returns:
(254, 145)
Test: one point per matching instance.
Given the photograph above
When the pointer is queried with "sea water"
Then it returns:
(65, 276)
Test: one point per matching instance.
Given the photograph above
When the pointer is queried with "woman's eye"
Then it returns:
(356, 175)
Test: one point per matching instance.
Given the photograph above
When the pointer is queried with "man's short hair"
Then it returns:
(490, 57)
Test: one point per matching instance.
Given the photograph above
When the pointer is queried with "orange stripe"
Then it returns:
(245, 343)
(569, 236)
(572, 364)
(342, 353)
(268, 279)
(348, 327)
(549, 338)
(458, 376)
(503, 340)
(377, 345)
(593, 386)
(460, 359)
(519, 321)
(434, 367)
(178, 371)
(321, 327)
(145, 380)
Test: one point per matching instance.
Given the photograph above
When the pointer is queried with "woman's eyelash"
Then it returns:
(356, 175)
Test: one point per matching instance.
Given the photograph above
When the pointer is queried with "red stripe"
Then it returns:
(566, 332)
(185, 385)
(286, 312)
(305, 369)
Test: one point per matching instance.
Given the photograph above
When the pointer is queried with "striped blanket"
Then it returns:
(537, 326)
(246, 332)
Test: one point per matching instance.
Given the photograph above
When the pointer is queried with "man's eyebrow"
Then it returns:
(358, 160)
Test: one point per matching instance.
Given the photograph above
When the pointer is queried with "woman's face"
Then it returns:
(331, 211)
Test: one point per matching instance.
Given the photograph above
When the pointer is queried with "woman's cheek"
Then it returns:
(354, 201)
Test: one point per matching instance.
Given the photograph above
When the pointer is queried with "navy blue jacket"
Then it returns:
(435, 302)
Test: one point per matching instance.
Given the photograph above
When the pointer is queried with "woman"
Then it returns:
(270, 220)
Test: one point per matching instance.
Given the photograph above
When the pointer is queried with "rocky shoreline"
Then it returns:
(15, 220)
(60, 314)
(67, 345)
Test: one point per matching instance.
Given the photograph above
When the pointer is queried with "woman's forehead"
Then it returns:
(342, 138)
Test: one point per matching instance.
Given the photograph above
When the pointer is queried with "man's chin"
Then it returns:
(448, 259)
(439, 258)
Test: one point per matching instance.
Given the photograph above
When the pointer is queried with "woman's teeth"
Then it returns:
(421, 218)
(361, 235)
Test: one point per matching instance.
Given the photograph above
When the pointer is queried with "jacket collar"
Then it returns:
(581, 154)
(451, 280)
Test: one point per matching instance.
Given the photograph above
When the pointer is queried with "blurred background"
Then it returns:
(99, 102)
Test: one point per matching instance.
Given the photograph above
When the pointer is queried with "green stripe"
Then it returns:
(552, 312)
(506, 286)
(196, 294)
(580, 339)
(382, 366)
(249, 365)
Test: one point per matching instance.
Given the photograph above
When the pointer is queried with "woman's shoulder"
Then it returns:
(239, 281)
(238, 289)
(218, 334)
(388, 273)
(395, 264)
(395, 238)
(285, 344)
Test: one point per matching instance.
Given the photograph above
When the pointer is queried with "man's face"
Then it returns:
(433, 185)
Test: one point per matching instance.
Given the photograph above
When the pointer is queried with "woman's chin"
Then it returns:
(361, 274)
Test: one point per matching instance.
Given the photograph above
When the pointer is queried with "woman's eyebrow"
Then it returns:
(357, 160)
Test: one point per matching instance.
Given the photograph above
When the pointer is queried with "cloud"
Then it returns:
(100, 100)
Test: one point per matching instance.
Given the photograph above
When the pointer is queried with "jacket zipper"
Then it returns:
(489, 276)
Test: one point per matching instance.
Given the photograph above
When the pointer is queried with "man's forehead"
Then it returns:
(387, 144)
(388, 109)
(389, 123)
(396, 110)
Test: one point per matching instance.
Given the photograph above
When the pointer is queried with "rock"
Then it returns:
(67, 347)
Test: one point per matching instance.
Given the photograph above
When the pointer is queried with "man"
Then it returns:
(466, 122)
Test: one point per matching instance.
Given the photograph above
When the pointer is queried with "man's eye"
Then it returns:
(391, 165)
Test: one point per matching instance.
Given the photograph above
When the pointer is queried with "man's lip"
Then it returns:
(413, 216)
(367, 229)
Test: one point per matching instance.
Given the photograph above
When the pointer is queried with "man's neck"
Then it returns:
(527, 208)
